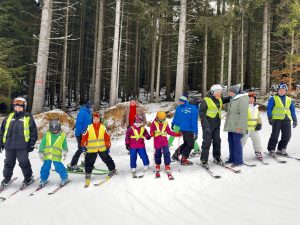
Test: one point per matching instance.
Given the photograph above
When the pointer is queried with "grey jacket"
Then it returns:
(237, 116)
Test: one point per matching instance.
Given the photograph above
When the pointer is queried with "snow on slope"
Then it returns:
(263, 195)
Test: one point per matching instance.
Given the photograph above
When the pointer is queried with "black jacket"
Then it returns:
(207, 121)
(15, 135)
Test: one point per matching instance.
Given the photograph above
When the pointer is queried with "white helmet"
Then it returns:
(20, 101)
(215, 88)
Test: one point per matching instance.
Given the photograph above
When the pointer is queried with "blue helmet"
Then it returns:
(282, 86)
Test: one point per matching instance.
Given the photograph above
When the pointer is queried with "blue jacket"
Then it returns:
(84, 118)
(271, 105)
(186, 117)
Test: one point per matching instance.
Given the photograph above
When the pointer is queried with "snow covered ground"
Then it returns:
(262, 195)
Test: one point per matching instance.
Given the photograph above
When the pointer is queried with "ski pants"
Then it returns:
(212, 137)
(77, 154)
(188, 143)
(11, 155)
(283, 126)
(90, 159)
(235, 148)
(254, 135)
(165, 152)
(133, 156)
(59, 168)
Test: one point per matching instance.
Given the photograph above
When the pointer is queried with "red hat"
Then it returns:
(96, 114)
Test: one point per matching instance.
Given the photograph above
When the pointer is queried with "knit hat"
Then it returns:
(138, 119)
(235, 89)
(183, 99)
(96, 115)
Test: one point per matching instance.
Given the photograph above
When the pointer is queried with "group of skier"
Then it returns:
(18, 135)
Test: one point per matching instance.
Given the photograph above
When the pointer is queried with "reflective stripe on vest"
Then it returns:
(96, 144)
(54, 151)
(161, 132)
(280, 111)
(212, 110)
(25, 120)
(252, 118)
(138, 135)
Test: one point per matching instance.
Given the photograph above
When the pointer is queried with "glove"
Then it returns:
(83, 149)
(195, 136)
(65, 154)
(41, 155)
(258, 127)
(127, 147)
(172, 126)
(108, 151)
(295, 123)
(207, 130)
(30, 148)
(271, 121)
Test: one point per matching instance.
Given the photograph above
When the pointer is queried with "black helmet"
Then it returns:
(54, 125)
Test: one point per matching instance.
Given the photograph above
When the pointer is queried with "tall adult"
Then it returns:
(83, 120)
(210, 115)
(236, 124)
(135, 109)
(186, 117)
(281, 111)
(18, 136)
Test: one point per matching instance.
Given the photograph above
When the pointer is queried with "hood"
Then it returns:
(239, 96)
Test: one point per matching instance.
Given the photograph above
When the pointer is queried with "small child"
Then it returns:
(134, 142)
(53, 148)
(159, 130)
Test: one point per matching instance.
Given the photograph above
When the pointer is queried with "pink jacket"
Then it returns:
(134, 143)
(161, 141)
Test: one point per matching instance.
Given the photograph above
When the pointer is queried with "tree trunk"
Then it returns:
(135, 81)
(158, 68)
(168, 70)
(229, 59)
(269, 51)
(264, 56)
(222, 50)
(153, 61)
(242, 53)
(119, 51)
(204, 73)
(114, 70)
(181, 51)
(291, 60)
(42, 60)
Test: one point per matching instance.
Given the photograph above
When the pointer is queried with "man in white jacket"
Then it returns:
(254, 125)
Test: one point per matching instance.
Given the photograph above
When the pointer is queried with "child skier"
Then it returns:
(159, 130)
(96, 141)
(254, 125)
(135, 144)
(53, 148)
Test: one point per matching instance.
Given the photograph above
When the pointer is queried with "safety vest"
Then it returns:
(252, 118)
(54, 151)
(280, 111)
(212, 110)
(161, 132)
(25, 120)
(96, 144)
(138, 135)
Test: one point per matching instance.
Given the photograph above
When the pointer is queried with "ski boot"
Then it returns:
(272, 153)
(63, 182)
(157, 171)
(28, 181)
(133, 172)
(111, 173)
(204, 164)
(42, 183)
(175, 156)
(218, 161)
(282, 152)
(185, 161)
(146, 168)
(259, 156)
(5, 182)
(74, 168)
(87, 180)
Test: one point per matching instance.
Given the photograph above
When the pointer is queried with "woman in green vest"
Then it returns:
(53, 148)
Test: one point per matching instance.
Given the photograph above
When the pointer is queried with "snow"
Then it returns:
(262, 195)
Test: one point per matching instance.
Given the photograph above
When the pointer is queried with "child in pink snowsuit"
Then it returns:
(159, 130)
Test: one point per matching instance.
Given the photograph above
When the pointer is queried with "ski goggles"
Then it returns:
(18, 102)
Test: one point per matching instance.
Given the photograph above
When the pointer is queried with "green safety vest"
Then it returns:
(252, 119)
(161, 132)
(25, 120)
(138, 135)
(54, 151)
(280, 111)
(212, 110)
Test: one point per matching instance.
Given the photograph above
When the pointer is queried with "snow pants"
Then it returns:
(90, 159)
(11, 155)
(208, 138)
(254, 135)
(283, 126)
(235, 148)
(134, 152)
(77, 154)
(165, 152)
(59, 168)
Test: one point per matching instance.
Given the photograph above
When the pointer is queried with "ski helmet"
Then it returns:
(161, 116)
(20, 101)
(215, 88)
(282, 86)
(54, 125)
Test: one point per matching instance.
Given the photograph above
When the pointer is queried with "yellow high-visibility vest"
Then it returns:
(212, 110)
(280, 111)
(54, 151)
(96, 144)
(161, 132)
(26, 121)
(138, 135)
(252, 118)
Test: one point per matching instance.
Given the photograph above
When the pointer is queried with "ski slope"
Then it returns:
(262, 195)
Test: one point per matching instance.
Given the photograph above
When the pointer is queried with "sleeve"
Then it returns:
(270, 106)
(107, 140)
(2, 130)
(79, 123)
(33, 131)
(202, 114)
(84, 138)
(42, 144)
(172, 133)
(127, 136)
(195, 120)
(259, 118)
(147, 135)
(243, 115)
(293, 111)
(226, 99)
(65, 145)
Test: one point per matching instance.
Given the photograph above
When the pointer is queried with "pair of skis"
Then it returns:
(40, 187)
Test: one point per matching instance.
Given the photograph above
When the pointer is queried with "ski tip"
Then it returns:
(217, 177)
(2, 199)
(238, 171)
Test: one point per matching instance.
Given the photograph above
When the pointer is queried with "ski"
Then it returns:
(2, 188)
(275, 158)
(38, 189)
(289, 157)
(249, 165)
(23, 187)
(211, 173)
(229, 168)
(107, 178)
(263, 162)
(58, 188)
